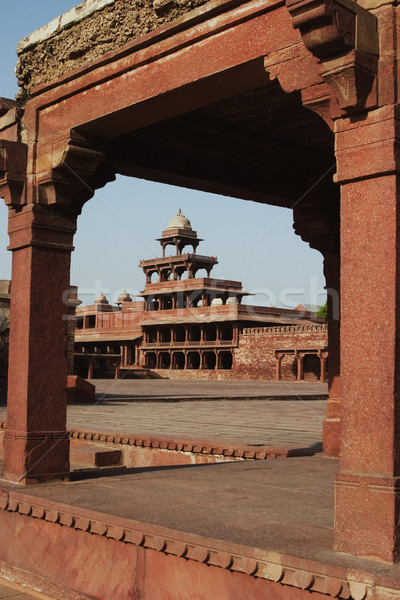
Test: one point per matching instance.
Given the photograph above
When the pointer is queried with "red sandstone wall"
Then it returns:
(255, 356)
(218, 375)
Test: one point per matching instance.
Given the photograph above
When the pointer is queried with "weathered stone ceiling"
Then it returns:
(258, 143)
(44, 58)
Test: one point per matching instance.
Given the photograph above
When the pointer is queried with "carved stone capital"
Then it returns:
(42, 226)
(344, 38)
(13, 157)
(69, 171)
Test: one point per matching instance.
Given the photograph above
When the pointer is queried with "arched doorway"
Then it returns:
(311, 367)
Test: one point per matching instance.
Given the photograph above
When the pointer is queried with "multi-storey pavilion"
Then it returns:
(209, 335)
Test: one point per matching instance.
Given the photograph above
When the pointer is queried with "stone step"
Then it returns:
(92, 455)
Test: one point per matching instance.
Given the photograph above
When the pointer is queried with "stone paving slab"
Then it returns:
(172, 390)
(294, 424)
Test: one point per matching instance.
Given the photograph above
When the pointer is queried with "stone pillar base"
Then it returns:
(366, 516)
(331, 438)
(331, 428)
(36, 456)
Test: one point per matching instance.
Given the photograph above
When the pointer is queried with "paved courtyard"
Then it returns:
(292, 422)
(169, 390)
(248, 422)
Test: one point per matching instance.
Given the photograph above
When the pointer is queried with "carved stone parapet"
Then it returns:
(344, 38)
(70, 170)
(13, 156)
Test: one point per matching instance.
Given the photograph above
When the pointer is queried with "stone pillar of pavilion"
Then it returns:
(318, 223)
(367, 498)
(331, 426)
(45, 185)
(36, 446)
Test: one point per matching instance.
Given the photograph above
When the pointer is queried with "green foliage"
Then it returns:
(322, 312)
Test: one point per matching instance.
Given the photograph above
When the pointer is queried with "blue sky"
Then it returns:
(254, 243)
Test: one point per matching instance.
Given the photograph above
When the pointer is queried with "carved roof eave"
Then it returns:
(178, 233)
(178, 260)
(234, 293)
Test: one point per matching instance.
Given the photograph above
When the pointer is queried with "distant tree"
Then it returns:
(322, 312)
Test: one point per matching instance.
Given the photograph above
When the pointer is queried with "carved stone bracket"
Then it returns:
(70, 170)
(344, 38)
(13, 157)
(318, 224)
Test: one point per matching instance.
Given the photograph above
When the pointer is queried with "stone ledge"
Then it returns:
(331, 580)
(228, 450)
(71, 17)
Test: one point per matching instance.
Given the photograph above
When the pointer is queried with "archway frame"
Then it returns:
(55, 154)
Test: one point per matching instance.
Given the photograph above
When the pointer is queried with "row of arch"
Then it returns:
(184, 334)
(194, 299)
(307, 365)
(176, 273)
(197, 360)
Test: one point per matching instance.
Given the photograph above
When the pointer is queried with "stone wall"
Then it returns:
(89, 31)
(255, 358)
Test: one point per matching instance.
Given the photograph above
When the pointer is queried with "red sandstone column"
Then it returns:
(36, 446)
(299, 367)
(323, 368)
(331, 426)
(90, 368)
(117, 371)
(278, 367)
(367, 487)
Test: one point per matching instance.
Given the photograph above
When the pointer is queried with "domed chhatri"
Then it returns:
(101, 299)
(179, 222)
(124, 297)
(179, 233)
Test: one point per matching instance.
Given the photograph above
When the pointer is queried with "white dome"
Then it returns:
(216, 302)
(179, 221)
(232, 300)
